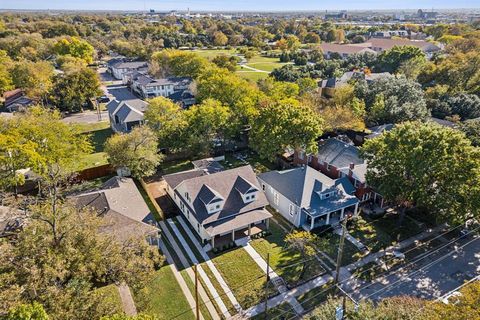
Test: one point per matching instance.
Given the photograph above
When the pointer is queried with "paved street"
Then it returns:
(433, 276)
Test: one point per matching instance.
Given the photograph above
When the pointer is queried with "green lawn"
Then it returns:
(212, 53)
(316, 296)
(259, 165)
(99, 133)
(252, 75)
(111, 298)
(163, 297)
(383, 232)
(242, 275)
(281, 312)
(174, 166)
(280, 257)
(330, 247)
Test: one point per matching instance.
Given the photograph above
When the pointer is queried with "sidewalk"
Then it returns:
(191, 274)
(273, 276)
(201, 272)
(127, 300)
(218, 276)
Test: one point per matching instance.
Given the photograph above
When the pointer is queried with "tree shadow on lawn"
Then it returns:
(378, 234)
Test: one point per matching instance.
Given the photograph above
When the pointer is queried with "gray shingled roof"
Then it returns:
(175, 179)
(128, 110)
(122, 207)
(338, 153)
(303, 186)
(224, 183)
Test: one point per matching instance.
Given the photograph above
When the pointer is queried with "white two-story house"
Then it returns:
(221, 207)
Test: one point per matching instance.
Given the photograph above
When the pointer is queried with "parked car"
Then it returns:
(103, 99)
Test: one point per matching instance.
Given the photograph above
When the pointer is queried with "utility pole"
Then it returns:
(197, 309)
(340, 249)
(266, 287)
(339, 262)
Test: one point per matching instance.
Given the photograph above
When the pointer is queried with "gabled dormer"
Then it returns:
(212, 199)
(247, 190)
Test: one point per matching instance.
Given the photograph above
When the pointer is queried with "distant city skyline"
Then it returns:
(239, 5)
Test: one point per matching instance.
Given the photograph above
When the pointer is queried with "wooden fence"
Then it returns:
(95, 172)
(152, 199)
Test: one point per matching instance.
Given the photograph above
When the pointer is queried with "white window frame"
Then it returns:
(292, 209)
(276, 198)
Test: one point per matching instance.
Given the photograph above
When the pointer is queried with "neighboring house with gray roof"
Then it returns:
(123, 209)
(329, 85)
(124, 115)
(309, 199)
(226, 204)
(119, 66)
(337, 159)
(174, 88)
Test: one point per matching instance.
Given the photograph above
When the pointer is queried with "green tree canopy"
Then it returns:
(279, 126)
(137, 151)
(418, 164)
(73, 89)
(75, 47)
(391, 60)
(61, 255)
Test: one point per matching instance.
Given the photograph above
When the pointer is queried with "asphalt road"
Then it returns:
(433, 276)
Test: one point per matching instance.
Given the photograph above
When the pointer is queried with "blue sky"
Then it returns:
(245, 5)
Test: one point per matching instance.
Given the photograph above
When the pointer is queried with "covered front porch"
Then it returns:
(314, 220)
(237, 229)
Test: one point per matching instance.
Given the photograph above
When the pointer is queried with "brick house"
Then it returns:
(337, 159)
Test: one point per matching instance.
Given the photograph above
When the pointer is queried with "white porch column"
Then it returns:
(213, 241)
(355, 213)
(381, 204)
(341, 213)
(233, 235)
(327, 222)
(249, 230)
(312, 222)
(268, 223)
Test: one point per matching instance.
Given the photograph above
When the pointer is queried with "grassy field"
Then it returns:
(242, 275)
(280, 257)
(330, 247)
(252, 75)
(163, 297)
(111, 297)
(212, 53)
(99, 132)
(316, 296)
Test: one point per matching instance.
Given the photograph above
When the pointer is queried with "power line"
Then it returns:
(434, 250)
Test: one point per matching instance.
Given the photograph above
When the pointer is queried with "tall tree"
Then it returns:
(206, 122)
(72, 90)
(419, 165)
(282, 125)
(167, 120)
(75, 47)
(402, 100)
(61, 255)
(34, 77)
(391, 60)
(137, 151)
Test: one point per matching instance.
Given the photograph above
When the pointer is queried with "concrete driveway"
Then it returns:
(88, 116)
(433, 276)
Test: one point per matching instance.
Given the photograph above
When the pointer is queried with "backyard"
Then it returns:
(99, 132)
(244, 158)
